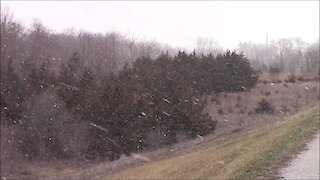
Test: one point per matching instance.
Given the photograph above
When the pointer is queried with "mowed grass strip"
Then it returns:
(242, 157)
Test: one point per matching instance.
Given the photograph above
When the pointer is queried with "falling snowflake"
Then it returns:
(165, 113)
(166, 100)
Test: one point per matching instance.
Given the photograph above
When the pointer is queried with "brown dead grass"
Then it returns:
(285, 97)
(233, 158)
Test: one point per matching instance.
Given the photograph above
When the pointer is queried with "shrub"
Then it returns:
(291, 78)
(220, 111)
(267, 93)
(264, 107)
(284, 108)
(277, 81)
(301, 78)
(274, 70)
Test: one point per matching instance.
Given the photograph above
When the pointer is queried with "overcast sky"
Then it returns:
(178, 23)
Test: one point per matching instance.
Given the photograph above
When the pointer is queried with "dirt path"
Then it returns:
(306, 164)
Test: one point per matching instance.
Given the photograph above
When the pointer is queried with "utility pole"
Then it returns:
(267, 48)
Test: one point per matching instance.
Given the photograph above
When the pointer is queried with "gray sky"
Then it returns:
(178, 23)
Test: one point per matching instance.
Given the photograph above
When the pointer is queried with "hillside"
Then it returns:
(240, 157)
(247, 152)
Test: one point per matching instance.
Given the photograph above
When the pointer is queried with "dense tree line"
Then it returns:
(95, 96)
(156, 98)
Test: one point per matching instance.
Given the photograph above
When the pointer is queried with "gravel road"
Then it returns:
(306, 164)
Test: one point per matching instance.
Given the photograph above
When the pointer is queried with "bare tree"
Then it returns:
(11, 40)
(130, 42)
(312, 56)
(114, 64)
(149, 49)
(206, 45)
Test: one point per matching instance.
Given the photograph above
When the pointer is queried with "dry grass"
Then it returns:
(285, 97)
(229, 159)
(239, 108)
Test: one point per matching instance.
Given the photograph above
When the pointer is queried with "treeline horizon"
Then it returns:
(110, 51)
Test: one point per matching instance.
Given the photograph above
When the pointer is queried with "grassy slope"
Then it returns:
(242, 157)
